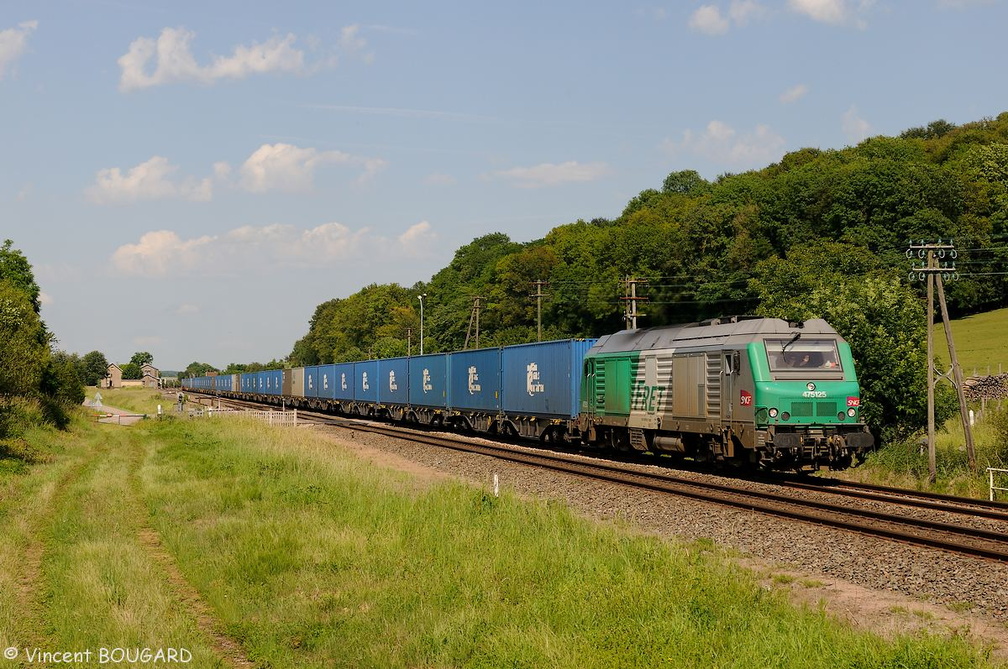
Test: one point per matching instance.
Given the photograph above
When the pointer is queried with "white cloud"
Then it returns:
(833, 12)
(720, 143)
(855, 127)
(186, 309)
(710, 20)
(417, 236)
(45, 298)
(549, 174)
(742, 11)
(173, 61)
(826, 11)
(353, 44)
(257, 248)
(707, 19)
(291, 168)
(13, 43)
(157, 253)
(150, 180)
(794, 94)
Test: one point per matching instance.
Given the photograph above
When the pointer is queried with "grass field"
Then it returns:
(248, 545)
(981, 342)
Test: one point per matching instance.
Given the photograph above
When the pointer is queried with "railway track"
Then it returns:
(959, 525)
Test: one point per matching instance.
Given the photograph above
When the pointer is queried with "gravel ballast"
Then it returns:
(870, 582)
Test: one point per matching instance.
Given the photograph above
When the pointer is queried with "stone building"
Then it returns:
(113, 377)
(151, 376)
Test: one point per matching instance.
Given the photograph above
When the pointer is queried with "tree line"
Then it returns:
(38, 384)
(822, 233)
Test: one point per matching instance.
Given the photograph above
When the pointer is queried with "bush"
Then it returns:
(999, 422)
(17, 417)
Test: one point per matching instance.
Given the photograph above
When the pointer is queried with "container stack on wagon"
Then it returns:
(764, 391)
(531, 390)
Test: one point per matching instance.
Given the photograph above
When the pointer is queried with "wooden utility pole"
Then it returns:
(631, 314)
(473, 319)
(934, 272)
(539, 295)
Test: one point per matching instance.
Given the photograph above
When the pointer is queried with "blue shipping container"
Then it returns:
(366, 376)
(345, 383)
(474, 379)
(311, 381)
(428, 380)
(272, 382)
(326, 380)
(248, 382)
(543, 378)
(393, 381)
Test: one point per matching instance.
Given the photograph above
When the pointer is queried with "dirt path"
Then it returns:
(82, 525)
(226, 648)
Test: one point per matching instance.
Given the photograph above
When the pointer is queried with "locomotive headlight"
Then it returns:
(773, 412)
(852, 412)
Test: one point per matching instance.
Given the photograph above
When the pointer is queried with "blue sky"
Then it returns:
(193, 178)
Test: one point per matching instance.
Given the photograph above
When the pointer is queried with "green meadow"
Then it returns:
(981, 343)
(276, 548)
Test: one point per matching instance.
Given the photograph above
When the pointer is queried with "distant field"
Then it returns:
(981, 342)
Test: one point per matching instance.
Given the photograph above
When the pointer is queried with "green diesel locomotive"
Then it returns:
(764, 391)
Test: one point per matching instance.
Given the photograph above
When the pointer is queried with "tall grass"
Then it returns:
(313, 559)
(906, 464)
(309, 557)
(75, 574)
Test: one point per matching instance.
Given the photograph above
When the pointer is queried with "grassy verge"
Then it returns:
(310, 558)
(75, 574)
(906, 464)
(313, 559)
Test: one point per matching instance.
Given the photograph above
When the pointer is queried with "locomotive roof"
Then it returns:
(718, 333)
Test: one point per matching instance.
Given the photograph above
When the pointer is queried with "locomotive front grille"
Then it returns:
(803, 409)
(826, 409)
(810, 409)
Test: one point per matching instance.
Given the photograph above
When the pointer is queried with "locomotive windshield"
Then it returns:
(799, 353)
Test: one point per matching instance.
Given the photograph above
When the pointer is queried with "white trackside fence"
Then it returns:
(283, 418)
(991, 471)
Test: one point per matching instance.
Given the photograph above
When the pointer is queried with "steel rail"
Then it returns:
(878, 524)
(874, 523)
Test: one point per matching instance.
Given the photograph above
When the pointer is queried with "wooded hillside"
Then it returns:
(822, 233)
(710, 248)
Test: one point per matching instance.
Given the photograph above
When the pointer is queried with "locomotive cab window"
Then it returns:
(803, 355)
